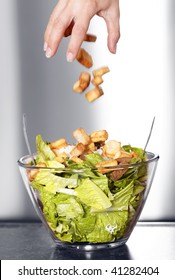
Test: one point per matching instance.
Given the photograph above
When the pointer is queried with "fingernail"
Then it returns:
(70, 57)
(48, 53)
(45, 46)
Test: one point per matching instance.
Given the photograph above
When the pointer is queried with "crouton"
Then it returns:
(84, 80)
(90, 38)
(61, 143)
(81, 136)
(97, 80)
(123, 160)
(106, 166)
(82, 83)
(60, 157)
(76, 159)
(84, 58)
(99, 136)
(33, 172)
(112, 149)
(101, 71)
(78, 150)
(117, 174)
(77, 88)
(93, 94)
(68, 31)
(91, 147)
(125, 154)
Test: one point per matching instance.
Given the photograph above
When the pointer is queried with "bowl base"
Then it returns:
(91, 246)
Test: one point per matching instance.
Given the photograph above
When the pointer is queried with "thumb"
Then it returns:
(113, 29)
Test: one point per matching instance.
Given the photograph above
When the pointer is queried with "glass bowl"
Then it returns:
(69, 225)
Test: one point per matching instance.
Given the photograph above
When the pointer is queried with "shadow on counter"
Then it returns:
(119, 253)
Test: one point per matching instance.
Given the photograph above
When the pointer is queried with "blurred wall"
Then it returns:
(139, 86)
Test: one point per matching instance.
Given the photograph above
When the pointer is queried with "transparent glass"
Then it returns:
(146, 170)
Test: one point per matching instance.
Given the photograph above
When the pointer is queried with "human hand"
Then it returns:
(76, 15)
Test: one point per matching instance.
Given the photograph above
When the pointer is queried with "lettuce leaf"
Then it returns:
(49, 207)
(93, 159)
(70, 208)
(122, 198)
(102, 182)
(108, 226)
(140, 153)
(55, 164)
(85, 225)
(44, 152)
(90, 194)
(53, 182)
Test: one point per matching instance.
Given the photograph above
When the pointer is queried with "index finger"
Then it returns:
(59, 21)
(58, 9)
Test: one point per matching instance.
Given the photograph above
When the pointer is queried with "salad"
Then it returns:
(89, 191)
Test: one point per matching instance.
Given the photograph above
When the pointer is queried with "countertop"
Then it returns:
(30, 241)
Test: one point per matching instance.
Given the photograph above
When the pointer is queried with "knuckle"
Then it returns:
(51, 19)
(53, 42)
(59, 22)
(91, 5)
(118, 35)
(79, 29)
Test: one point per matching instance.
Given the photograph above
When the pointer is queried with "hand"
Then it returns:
(76, 15)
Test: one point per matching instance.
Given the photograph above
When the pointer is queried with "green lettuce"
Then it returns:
(87, 206)
(91, 195)
(44, 152)
(55, 164)
(49, 207)
(108, 226)
(93, 159)
(122, 198)
(53, 182)
(70, 208)
(102, 182)
(85, 225)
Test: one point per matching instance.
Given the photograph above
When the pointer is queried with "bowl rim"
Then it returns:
(154, 157)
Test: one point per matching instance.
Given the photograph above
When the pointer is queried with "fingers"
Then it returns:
(65, 26)
(111, 16)
(78, 33)
(68, 18)
(55, 31)
(113, 34)
(71, 17)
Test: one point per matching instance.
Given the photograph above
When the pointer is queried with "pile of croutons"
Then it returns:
(84, 58)
(111, 150)
(97, 142)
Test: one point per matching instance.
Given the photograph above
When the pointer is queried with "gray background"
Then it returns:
(139, 86)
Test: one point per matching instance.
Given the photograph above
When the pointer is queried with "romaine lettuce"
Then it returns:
(44, 152)
(91, 195)
(87, 206)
